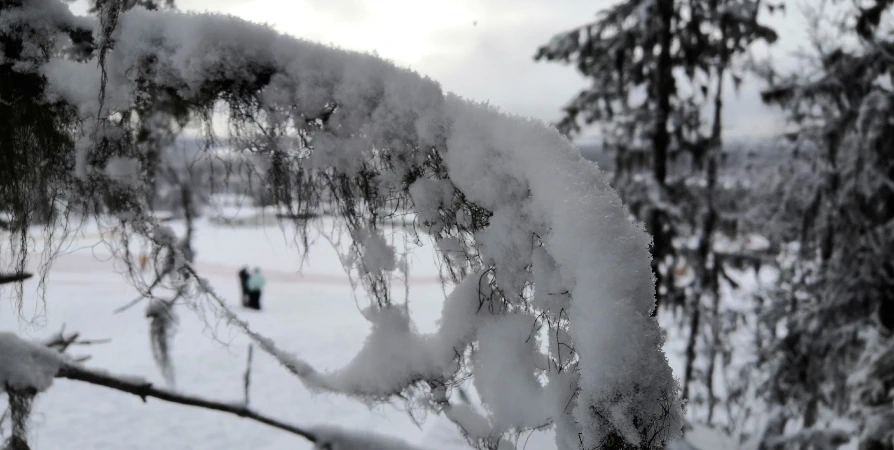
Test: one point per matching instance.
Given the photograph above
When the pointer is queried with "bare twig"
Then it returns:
(247, 377)
(129, 304)
(145, 389)
(61, 342)
(147, 295)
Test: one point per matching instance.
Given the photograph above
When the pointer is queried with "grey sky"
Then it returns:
(480, 49)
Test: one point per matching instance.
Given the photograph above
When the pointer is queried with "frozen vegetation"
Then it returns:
(552, 289)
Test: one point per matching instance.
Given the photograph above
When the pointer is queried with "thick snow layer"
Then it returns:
(501, 163)
(471, 421)
(511, 396)
(395, 354)
(25, 364)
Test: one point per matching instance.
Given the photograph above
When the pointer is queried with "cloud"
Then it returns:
(498, 66)
(343, 10)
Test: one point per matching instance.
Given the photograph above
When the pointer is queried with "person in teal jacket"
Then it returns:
(255, 285)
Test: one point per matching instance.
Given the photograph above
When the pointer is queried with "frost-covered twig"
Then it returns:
(145, 390)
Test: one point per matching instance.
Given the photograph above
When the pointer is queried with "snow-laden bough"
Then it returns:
(531, 235)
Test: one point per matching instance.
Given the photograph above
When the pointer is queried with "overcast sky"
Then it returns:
(479, 49)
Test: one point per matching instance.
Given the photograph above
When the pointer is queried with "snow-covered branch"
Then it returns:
(30, 367)
(325, 437)
(525, 227)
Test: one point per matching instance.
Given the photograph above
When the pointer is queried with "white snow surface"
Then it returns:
(309, 312)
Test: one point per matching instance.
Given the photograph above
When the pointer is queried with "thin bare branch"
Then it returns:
(145, 389)
(247, 377)
(129, 304)
(62, 341)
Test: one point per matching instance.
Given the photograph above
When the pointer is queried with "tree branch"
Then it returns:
(145, 389)
(14, 277)
(247, 377)
(323, 437)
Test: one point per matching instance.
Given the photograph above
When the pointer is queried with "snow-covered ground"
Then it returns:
(311, 313)
(309, 309)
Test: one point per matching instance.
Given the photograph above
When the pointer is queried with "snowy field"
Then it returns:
(308, 309)
(311, 313)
